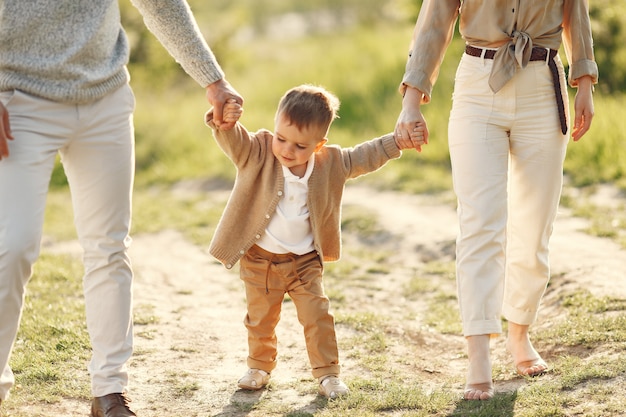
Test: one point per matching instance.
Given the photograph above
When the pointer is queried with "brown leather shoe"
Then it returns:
(112, 405)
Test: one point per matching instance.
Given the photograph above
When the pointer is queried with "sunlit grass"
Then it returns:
(59, 217)
(155, 209)
(592, 321)
(607, 222)
(52, 348)
(600, 156)
(195, 214)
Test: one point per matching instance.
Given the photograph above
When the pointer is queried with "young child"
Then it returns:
(282, 222)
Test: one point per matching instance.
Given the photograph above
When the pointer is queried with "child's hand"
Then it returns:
(232, 111)
(416, 139)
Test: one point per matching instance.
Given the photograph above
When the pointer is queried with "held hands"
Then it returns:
(416, 137)
(411, 129)
(5, 132)
(218, 94)
(232, 111)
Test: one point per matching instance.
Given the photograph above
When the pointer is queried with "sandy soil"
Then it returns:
(191, 343)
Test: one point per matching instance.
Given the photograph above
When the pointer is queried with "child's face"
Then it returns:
(293, 146)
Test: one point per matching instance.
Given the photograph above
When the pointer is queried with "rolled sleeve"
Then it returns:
(580, 69)
(420, 80)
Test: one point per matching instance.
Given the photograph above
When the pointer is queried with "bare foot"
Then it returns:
(526, 359)
(479, 384)
(481, 392)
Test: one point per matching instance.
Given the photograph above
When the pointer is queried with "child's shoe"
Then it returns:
(332, 387)
(254, 379)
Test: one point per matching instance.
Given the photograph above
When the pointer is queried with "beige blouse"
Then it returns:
(514, 27)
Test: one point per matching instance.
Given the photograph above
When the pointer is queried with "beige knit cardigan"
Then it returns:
(259, 186)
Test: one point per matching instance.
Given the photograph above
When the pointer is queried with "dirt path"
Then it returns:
(191, 343)
(200, 336)
(194, 351)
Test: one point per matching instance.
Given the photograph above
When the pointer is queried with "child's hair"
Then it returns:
(308, 105)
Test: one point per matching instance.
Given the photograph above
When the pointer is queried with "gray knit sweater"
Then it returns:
(75, 51)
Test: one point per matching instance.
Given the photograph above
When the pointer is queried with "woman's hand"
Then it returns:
(411, 123)
(416, 139)
(583, 108)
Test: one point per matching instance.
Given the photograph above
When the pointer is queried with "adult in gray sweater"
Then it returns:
(64, 89)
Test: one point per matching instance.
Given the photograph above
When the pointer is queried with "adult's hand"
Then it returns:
(411, 118)
(218, 93)
(416, 141)
(5, 132)
(583, 108)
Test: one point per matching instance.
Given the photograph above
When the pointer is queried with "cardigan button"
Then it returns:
(242, 252)
(280, 193)
(258, 236)
(229, 266)
(267, 216)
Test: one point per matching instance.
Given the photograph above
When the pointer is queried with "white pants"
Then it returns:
(96, 145)
(507, 153)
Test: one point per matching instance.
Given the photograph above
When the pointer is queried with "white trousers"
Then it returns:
(507, 153)
(96, 145)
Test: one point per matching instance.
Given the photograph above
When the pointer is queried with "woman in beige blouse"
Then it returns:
(508, 131)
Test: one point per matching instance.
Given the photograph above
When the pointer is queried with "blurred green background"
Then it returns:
(355, 48)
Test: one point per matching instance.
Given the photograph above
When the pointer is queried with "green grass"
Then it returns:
(605, 221)
(593, 321)
(52, 348)
(600, 156)
(194, 213)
